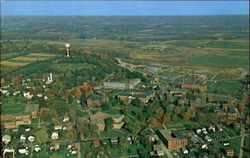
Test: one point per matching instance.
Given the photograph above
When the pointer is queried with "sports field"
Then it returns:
(26, 59)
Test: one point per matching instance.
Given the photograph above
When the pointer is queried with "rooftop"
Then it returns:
(136, 93)
(170, 135)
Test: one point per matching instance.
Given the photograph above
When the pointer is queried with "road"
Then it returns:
(242, 131)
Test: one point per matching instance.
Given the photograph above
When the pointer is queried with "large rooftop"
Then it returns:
(136, 93)
(170, 135)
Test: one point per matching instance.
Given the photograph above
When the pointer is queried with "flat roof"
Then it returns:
(144, 93)
(170, 135)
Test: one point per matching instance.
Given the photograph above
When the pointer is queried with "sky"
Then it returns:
(124, 7)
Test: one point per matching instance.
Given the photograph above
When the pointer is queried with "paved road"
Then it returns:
(242, 140)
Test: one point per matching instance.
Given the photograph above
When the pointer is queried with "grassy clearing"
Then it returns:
(225, 87)
(225, 76)
(42, 54)
(25, 58)
(220, 61)
(7, 63)
(68, 67)
(12, 108)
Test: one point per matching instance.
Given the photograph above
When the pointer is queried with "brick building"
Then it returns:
(172, 139)
(143, 95)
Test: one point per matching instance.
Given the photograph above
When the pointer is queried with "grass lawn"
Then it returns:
(225, 87)
(218, 61)
(13, 108)
(225, 76)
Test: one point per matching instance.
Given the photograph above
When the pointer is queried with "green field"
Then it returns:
(225, 87)
(13, 108)
(218, 61)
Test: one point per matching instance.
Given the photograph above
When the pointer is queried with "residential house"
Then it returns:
(97, 142)
(230, 152)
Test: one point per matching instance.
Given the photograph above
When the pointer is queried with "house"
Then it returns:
(97, 142)
(31, 138)
(54, 135)
(204, 146)
(9, 150)
(65, 118)
(58, 127)
(114, 140)
(198, 131)
(143, 95)
(184, 150)
(172, 139)
(158, 150)
(24, 151)
(211, 128)
(27, 129)
(230, 152)
(37, 148)
(28, 95)
(208, 139)
(6, 139)
(23, 138)
(55, 146)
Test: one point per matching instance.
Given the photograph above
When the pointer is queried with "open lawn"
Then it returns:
(225, 87)
(26, 59)
(12, 108)
(220, 61)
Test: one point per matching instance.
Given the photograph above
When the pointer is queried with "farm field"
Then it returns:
(26, 59)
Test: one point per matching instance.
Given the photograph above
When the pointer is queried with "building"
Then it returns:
(131, 84)
(228, 112)
(97, 142)
(193, 87)
(99, 120)
(6, 139)
(230, 152)
(15, 114)
(177, 92)
(172, 139)
(96, 100)
(143, 95)
(224, 99)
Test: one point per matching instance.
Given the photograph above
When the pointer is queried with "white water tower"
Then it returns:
(67, 45)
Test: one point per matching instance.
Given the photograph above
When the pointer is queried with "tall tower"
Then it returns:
(67, 45)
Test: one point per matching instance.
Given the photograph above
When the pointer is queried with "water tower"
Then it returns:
(67, 45)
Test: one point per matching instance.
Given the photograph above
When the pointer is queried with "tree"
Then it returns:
(105, 107)
(41, 136)
(109, 123)
(78, 93)
(186, 115)
(135, 102)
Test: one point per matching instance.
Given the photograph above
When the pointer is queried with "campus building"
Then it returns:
(143, 95)
(172, 139)
(122, 85)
